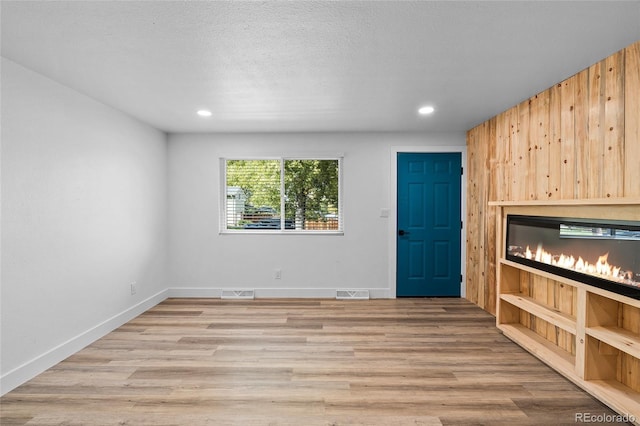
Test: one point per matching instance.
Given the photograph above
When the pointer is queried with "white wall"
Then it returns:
(202, 261)
(84, 214)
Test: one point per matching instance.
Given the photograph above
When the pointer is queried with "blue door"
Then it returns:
(428, 229)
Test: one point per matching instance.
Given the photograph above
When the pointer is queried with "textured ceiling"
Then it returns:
(313, 65)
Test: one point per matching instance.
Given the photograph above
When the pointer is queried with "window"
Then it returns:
(258, 191)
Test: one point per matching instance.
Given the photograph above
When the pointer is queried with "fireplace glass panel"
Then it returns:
(604, 254)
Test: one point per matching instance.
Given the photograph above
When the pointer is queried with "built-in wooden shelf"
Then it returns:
(541, 273)
(550, 315)
(573, 202)
(617, 337)
(562, 360)
(618, 396)
(573, 283)
(599, 326)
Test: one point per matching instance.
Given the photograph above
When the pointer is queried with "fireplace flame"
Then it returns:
(600, 268)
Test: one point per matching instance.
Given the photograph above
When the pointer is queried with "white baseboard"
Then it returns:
(30, 369)
(270, 293)
(195, 292)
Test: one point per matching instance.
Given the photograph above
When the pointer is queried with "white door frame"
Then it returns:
(393, 211)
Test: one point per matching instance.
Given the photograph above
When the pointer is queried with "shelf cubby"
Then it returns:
(539, 310)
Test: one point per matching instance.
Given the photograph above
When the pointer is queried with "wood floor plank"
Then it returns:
(301, 362)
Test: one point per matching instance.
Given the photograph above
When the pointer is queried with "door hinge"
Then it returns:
(460, 277)
(461, 224)
(461, 170)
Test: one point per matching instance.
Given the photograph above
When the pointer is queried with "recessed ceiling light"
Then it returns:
(204, 113)
(426, 110)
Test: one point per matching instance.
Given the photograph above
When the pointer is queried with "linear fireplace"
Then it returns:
(604, 254)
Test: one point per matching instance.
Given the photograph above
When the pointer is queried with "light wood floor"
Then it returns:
(301, 362)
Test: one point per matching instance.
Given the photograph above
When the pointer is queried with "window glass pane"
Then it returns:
(312, 194)
(253, 194)
(309, 191)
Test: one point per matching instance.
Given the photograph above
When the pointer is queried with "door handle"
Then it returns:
(402, 232)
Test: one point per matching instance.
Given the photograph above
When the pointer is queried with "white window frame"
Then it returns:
(223, 197)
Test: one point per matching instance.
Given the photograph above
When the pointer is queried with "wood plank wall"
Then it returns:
(578, 139)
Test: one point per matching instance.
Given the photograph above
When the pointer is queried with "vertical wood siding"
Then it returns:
(577, 139)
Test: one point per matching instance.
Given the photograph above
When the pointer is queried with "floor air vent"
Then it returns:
(237, 294)
(352, 294)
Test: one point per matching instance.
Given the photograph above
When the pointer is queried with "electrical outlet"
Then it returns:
(277, 274)
(133, 288)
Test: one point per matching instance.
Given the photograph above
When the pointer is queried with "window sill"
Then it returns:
(279, 232)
